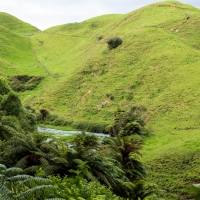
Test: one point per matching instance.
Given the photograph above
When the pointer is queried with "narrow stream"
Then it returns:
(67, 133)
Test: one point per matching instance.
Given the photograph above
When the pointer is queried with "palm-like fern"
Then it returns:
(7, 129)
(127, 151)
(26, 153)
(102, 168)
(15, 185)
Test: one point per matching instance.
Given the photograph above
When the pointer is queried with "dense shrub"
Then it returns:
(28, 122)
(4, 88)
(12, 104)
(24, 82)
(114, 42)
(129, 123)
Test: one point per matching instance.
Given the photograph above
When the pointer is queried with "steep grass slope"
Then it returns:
(16, 54)
(156, 65)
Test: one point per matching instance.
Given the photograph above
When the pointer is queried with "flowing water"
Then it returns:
(67, 133)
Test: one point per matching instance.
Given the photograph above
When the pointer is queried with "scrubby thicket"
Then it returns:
(34, 166)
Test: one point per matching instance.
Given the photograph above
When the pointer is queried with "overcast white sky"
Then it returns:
(47, 13)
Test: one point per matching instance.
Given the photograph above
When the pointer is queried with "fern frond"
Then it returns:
(2, 167)
(19, 178)
(35, 191)
(50, 169)
(5, 193)
(60, 160)
(22, 162)
(105, 180)
(43, 161)
(28, 180)
(13, 171)
(55, 199)
(49, 148)
(32, 169)
(20, 140)
(37, 180)
(9, 131)
(16, 149)
(91, 177)
(40, 153)
(77, 161)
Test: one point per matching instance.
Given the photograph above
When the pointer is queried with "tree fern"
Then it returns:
(37, 192)
(49, 148)
(32, 169)
(5, 193)
(22, 186)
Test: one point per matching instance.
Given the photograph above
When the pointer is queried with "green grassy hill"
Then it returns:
(16, 54)
(156, 66)
(16, 25)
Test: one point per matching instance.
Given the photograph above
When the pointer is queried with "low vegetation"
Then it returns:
(21, 83)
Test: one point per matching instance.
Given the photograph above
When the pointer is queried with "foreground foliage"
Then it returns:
(88, 168)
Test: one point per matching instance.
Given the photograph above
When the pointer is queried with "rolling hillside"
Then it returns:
(156, 66)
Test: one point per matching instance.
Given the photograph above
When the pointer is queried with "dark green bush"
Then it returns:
(28, 122)
(4, 88)
(114, 42)
(24, 82)
(12, 105)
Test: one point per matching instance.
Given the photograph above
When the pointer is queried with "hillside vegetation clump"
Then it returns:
(114, 42)
(24, 82)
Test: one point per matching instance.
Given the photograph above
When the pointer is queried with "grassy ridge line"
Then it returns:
(14, 24)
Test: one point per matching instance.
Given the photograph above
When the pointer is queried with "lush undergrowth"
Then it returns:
(38, 166)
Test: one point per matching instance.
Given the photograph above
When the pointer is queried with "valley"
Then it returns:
(84, 83)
